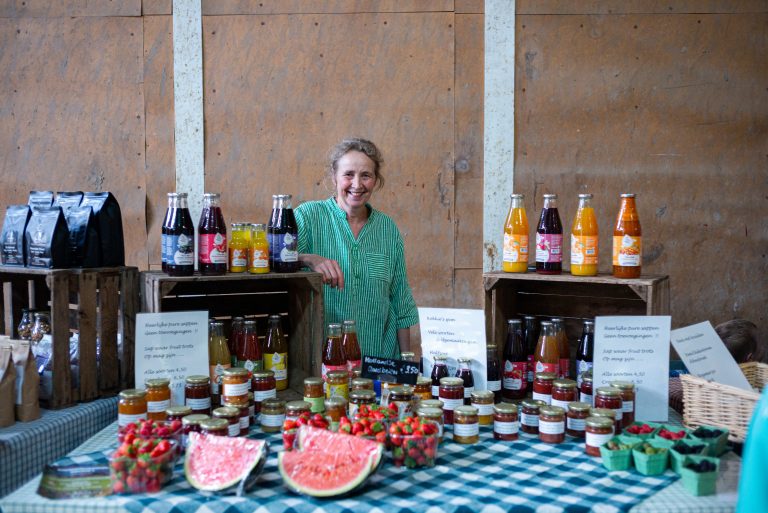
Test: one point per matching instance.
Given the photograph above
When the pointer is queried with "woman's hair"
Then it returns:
(740, 337)
(356, 144)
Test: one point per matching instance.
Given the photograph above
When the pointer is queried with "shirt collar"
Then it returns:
(341, 214)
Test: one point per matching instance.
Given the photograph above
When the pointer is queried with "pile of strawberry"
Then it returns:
(377, 412)
(365, 426)
(671, 435)
(414, 443)
(150, 429)
(290, 427)
(142, 465)
(640, 429)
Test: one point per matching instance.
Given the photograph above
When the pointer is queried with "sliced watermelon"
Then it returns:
(220, 463)
(313, 439)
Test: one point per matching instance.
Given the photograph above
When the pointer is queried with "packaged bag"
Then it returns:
(109, 223)
(68, 201)
(27, 382)
(84, 249)
(42, 199)
(47, 238)
(7, 386)
(16, 219)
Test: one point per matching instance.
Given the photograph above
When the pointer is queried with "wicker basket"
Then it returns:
(712, 404)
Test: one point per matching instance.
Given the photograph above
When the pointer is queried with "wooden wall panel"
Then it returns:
(68, 8)
(672, 107)
(281, 90)
(73, 104)
(156, 7)
(230, 7)
(639, 6)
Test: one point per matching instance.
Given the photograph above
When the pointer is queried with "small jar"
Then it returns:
(131, 406)
(432, 403)
(452, 395)
(177, 413)
(575, 417)
(402, 398)
(542, 386)
(356, 372)
(358, 398)
(598, 431)
(232, 416)
(433, 414)
(586, 388)
(244, 418)
(41, 326)
(158, 397)
(361, 384)
(466, 429)
(216, 427)
(272, 415)
(25, 324)
(264, 387)
(505, 423)
(529, 415)
(610, 398)
(627, 391)
(314, 394)
(552, 424)
(602, 412)
(191, 424)
(564, 391)
(337, 385)
(236, 383)
(423, 390)
(483, 401)
(335, 408)
(197, 394)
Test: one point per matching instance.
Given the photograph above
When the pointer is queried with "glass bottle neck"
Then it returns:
(550, 202)
(211, 201)
(516, 202)
(585, 203)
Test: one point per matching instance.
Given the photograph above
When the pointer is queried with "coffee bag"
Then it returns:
(68, 201)
(12, 237)
(7, 387)
(42, 199)
(109, 222)
(46, 238)
(84, 248)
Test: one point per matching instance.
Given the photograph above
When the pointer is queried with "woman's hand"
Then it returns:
(330, 269)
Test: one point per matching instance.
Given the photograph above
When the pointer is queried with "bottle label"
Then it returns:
(506, 428)
(180, 250)
(318, 404)
(325, 369)
(338, 391)
(239, 257)
(164, 244)
(466, 429)
(259, 257)
(468, 392)
(238, 389)
(619, 413)
(626, 406)
(436, 391)
(234, 429)
(158, 406)
(548, 367)
(547, 398)
(576, 424)
(262, 395)
(124, 419)
(216, 372)
(583, 250)
(199, 404)
(627, 251)
(565, 365)
(586, 398)
(451, 404)
(272, 420)
(514, 375)
(529, 420)
(351, 364)
(493, 386)
(549, 247)
(285, 245)
(213, 248)
(562, 404)
(483, 409)
(595, 440)
(582, 366)
(276, 362)
(515, 248)
(251, 365)
(551, 428)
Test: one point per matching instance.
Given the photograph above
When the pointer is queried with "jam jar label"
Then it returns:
(451, 404)
(506, 428)
(158, 406)
(435, 391)
(468, 392)
(515, 375)
(576, 424)
(596, 440)
(586, 398)
(529, 420)
(626, 406)
(551, 428)
(352, 410)
(199, 404)
(244, 422)
(562, 404)
(318, 404)
(547, 398)
(466, 429)
(272, 420)
(234, 429)
(483, 409)
(338, 391)
(261, 395)
(125, 418)
(236, 389)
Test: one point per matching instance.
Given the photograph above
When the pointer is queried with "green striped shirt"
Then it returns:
(376, 293)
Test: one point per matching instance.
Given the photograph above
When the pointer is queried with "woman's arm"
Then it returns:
(330, 269)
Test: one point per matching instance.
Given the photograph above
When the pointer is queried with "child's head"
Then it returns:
(740, 337)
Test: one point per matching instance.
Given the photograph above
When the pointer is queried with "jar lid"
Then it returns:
(363, 395)
(464, 360)
(551, 410)
(273, 403)
(439, 358)
(297, 406)
(313, 381)
(178, 411)
(226, 411)
(451, 382)
(214, 424)
(579, 406)
(586, 376)
(429, 412)
(546, 376)
(627, 195)
(41, 315)
(360, 383)
(423, 380)
(194, 419)
(466, 411)
(401, 390)
(340, 374)
(599, 422)
(335, 402)
(564, 383)
(262, 374)
(602, 412)
(482, 395)
(198, 379)
(432, 403)
(157, 383)
(133, 393)
(532, 403)
(505, 408)
(585, 196)
(236, 372)
(622, 385)
(608, 392)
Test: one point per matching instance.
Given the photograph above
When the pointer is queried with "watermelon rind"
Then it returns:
(242, 479)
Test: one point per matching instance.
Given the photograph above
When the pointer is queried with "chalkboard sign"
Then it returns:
(390, 370)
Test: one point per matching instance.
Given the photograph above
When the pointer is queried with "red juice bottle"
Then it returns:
(515, 381)
(212, 243)
(549, 238)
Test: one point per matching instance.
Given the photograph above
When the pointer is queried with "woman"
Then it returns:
(359, 251)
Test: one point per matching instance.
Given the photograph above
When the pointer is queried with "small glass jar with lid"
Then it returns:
(402, 398)
(602, 412)
(433, 414)
(26, 323)
(627, 391)
(41, 326)
(542, 386)
(586, 388)
(337, 384)
(529, 415)
(432, 403)
(177, 413)
(452, 395)
(358, 398)
(361, 384)
(294, 409)
(564, 391)
(191, 424)
(264, 387)
(272, 415)
(197, 394)
(598, 431)
(505, 422)
(215, 426)
(335, 408)
(232, 416)
(423, 390)
(131, 406)
(610, 398)
(575, 417)
(245, 419)
(236, 382)
(483, 400)
(466, 429)
(314, 394)
(158, 397)
(552, 424)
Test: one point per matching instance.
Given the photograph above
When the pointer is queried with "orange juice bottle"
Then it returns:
(584, 239)
(627, 240)
(515, 255)
(258, 254)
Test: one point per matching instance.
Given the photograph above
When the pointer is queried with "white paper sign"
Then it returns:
(635, 349)
(455, 333)
(171, 345)
(706, 356)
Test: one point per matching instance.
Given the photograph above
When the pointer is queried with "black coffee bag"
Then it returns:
(12, 238)
(40, 199)
(84, 247)
(109, 223)
(46, 238)
(68, 200)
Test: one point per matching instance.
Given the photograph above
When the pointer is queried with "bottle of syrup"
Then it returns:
(284, 240)
(549, 238)
(515, 362)
(212, 232)
(493, 372)
(562, 347)
(249, 353)
(350, 345)
(179, 237)
(627, 240)
(547, 356)
(333, 352)
(276, 352)
(465, 373)
(515, 254)
(585, 353)
(439, 371)
(531, 337)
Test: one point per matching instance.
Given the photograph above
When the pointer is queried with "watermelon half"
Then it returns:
(222, 464)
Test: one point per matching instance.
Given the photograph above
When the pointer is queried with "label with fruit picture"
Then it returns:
(515, 375)
(583, 249)
(549, 247)
(627, 251)
(515, 248)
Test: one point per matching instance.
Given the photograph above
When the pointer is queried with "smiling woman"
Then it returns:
(360, 253)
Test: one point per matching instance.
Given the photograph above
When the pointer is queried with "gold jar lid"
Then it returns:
(313, 382)
(532, 403)
(586, 376)
(451, 382)
(273, 404)
(599, 422)
(551, 411)
(262, 374)
(358, 383)
(198, 379)
(505, 408)
(608, 392)
(482, 395)
(194, 419)
(368, 396)
(579, 406)
(157, 383)
(294, 407)
(226, 411)
(214, 424)
(564, 383)
(429, 413)
(546, 376)
(338, 375)
(423, 381)
(178, 411)
(602, 412)
(432, 403)
(133, 394)
(622, 385)
(465, 411)
(236, 372)
(440, 358)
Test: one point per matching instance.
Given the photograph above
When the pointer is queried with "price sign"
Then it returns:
(390, 370)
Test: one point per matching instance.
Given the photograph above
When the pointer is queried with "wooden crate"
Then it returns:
(298, 297)
(97, 303)
(574, 298)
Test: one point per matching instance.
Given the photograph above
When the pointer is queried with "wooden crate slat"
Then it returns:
(109, 302)
(86, 323)
(129, 305)
(229, 305)
(62, 394)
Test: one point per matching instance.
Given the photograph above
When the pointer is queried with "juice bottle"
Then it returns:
(585, 353)
(284, 241)
(179, 237)
(562, 347)
(549, 238)
(531, 337)
(212, 256)
(333, 352)
(627, 240)
(515, 382)
(238, 248)
(547, 356)
(465, 373)
(493, 372)
(584, 239)
(164, 236)
(276, 352)
(350, 345)
(515, 256)
(249, 353)
(218, 357)
(258, 255)
(235, 337)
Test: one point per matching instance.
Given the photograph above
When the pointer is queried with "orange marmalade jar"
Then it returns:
(158, 397)
(132, 406)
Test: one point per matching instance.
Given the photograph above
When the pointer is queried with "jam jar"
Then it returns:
(529, 415)
(191, 424)
(552, 424)
(337, 385)
(197, 394)
(466, 429)
(542, 386)
(452, 395)
(358, 398)
(272, 415)
(158, 397)
(432, 403)
(177, 413)
(505, 423)
(610, 398)
(314, 394)
(236, 383)
(423, 390)
(439, 371)
(483, 400)
(627, 392)
(598, 431)
(402, 398)
(433, 414)
(586, 388)
(602, 412)
(575, 417)
(465, 373)
(232, 416)
(294, 409)
(335, 408)
(216, 427)
(245, 418)
(564, 391)
(264, 387)
(361, 384)
(131, 406)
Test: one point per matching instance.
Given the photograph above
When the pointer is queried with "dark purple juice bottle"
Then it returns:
(180, 237)
(283, 237)
(212, 245)
(549, 238)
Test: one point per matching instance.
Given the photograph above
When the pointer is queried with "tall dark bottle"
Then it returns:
(549, 238)
(164, 237)
(531, 338)
(514, 383)
(178, 237)
(212, 237)
(283, 236)
(585, 353)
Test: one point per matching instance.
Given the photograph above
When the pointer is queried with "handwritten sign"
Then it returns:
(635, 349)
(171, 345)
(454, 333)
(390, 370)
(706, 356)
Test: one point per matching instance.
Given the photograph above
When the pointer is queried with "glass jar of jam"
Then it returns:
(358, 398)
(439, 371)
(529, 415)
(232, 416)
(433, 414)
(603, 412)
(335, 408)
(552, 424)
(542, 386)
(402, 398)
(505, 423)
(216, 427)
(466, 429)
(337, 384)
(197, 394)
(586, 387)
(314, 394)
(465, 373)
(598, 431)
(627, 391)
(575, 417)
(564, 391)
(131, 406)
(483, 401)
(191, 424)
(294, 409)
(264, 387)
(361, 384)
(158, 397)
(423, 390)
(177, 413)
(236, 383)
(272, 415)
(610, 398)
(452, 395)
(245, 420)
(432, 403)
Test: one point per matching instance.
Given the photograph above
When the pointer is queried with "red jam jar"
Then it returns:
(177, 413)
(216, 427)
(542, 386)
(505, 423)
(191, 424)
(552, 424)
(586, 388)
(598, 431)
(452, 395)
(575, 417)
(197, 394)
(627, 391)
(529, 415)
(610, 399)
(264, 387)
(564, 391)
